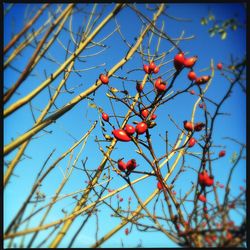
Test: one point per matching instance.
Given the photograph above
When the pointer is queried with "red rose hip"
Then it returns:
(189, 126)
(129, 129)
(145, 113)
(179, 61)
(141, 128)
(131, 165)
(105, 117)
(219, 66)
(104, 79)
(190, 62)
(152, 66)
(191, 75)
(202, 198)
(191, 142)
(159, 185)
(222, 153)
(121, 135)
(156, 70)
(121, 165)
(146, 68)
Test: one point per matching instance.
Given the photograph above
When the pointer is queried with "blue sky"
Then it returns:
(81, 117)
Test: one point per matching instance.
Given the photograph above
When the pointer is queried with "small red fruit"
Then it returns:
(191, 142)
(126, 231)
(131, 165)
(190, 62)
(129, 129)
(122, 165)
(159, 185)
(209, 181)
(153, 116)
(156, 70)
(146, 68)
(141, 128)
(202, 177)
(152, 66)
(199, 126)
(214, 237)
(202, 80)
(229, 236)
(139, 87)
(160, 85)
(202, 198)
(191, 75)
(219, 66)
(192, 92)
(179, 61)
(189, 126)
(104, 79)
(201, 105)
(145, 113)
(222, 153)
(105, 117)
(121, 199)
(121, 135)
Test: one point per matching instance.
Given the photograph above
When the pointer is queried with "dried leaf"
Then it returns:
(113, 90)
(223, 35)
(92, 105)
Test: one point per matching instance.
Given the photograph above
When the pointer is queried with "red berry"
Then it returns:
(189, 126)
(219, 66)
(202, 198)
(129, 129)
(146, 68)
(126, 231)
(159, 185)
(192, 92)
(131, 165)
(179, 61)
(139, 87)
(214, 237)
(191, 75)
(202, 177)
(121, 165)
(152, 66)
(191, 142)
(156, 70)
(199, 126)
(222, 153)
(105, 117)
(141, 128)
(229, 236)
(153, 116)
(190, 62)
(209, 181)
(202, 80)
(104, 79)
(159, 85)
(121, 199)
(145, 113)
(121, 135)
(201, 105)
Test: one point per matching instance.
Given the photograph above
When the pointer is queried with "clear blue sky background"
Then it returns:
(80, 118)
